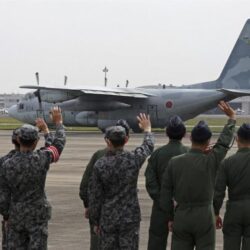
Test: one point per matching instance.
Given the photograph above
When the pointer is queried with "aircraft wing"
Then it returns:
(125, 92)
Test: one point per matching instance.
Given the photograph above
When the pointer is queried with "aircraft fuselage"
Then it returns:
(87, 111)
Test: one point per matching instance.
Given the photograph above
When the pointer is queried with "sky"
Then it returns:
(144, 41)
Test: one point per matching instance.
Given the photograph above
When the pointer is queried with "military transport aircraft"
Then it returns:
(101, 107)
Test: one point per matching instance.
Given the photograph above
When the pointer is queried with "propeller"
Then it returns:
(37, 92)
(65, 80)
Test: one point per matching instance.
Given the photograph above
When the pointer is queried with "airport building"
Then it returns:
(7, 100)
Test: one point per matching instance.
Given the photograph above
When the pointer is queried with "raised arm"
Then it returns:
(147, 147)
(225, 139)
(58, 142)
(48, 136)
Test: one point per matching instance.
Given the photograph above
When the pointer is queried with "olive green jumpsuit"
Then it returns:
(157, 163)
(189, 180)
(84, 192)
(234, 174)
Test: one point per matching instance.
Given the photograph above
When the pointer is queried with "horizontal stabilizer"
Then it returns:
(235, 92)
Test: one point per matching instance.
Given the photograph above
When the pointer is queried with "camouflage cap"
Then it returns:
(15, 134)
(28, 132)
(201, 132)
(244, 131)
(124, 124)
(115, 133)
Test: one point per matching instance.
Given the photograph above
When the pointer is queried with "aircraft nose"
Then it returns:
(13, 111)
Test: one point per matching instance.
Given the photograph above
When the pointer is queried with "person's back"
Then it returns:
(162, 156)
(237, 168)
(2, 160)
(113, 202)
(85, 183)
(119, 171)
(83, 191)
(188, 187)
(22, 192)
(234, 174)
(157, 163)
(26, 173)
(195, 175)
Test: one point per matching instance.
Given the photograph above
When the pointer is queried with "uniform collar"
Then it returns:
(196, 151)
(115, 151)
(172, 141)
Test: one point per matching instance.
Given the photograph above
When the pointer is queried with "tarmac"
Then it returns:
(68, 230)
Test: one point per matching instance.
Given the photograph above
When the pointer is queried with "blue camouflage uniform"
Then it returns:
(85, 183)
(2, 160)
(48, 141)
(113, 200)
(22, 191)
(5, 218)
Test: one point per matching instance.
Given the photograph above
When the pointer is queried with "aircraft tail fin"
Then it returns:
(236, 73)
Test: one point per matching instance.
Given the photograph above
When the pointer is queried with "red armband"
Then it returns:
(54, 152)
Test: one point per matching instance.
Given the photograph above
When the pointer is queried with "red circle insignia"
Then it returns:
(169, 104)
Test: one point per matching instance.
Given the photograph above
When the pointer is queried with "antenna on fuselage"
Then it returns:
(65, 80)
(105, 70)
(127, 82)
(37, 78)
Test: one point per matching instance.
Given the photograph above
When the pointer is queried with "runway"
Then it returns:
(68, 230)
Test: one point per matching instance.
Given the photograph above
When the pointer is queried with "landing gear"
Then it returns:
(103, 130)
(137, 130)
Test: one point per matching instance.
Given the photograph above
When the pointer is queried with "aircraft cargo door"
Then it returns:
(152, 111)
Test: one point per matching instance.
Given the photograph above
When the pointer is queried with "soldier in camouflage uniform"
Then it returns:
(2, 160)
(113, 201)
(48, 140)
(234, 174)
(157, 163)
(22, 183)
(188, 182)
(85, 182)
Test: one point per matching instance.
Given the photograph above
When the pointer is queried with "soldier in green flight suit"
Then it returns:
(85, 183)
(158, 231)
(234, 173)
(188, 187)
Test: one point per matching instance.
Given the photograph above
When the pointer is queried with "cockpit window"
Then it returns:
(21, 106)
